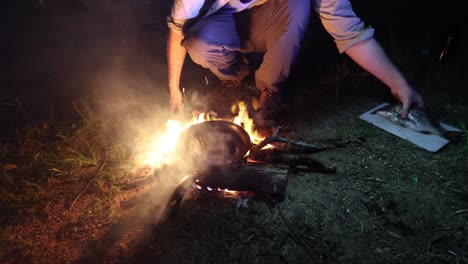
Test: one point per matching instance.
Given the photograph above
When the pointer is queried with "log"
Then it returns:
(266, 179)
(170, 211)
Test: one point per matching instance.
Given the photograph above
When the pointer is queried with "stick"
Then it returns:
(285, 157)
(296, 143)
(329, 208)
(89, 183)
(460, 212)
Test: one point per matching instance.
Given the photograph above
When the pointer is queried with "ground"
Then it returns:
(84, 87)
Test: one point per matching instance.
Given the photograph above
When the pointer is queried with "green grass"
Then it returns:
(355, 131)
(72, 150)
(81, 158)
(85, 112)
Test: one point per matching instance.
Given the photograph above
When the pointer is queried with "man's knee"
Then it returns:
(219, 30)
(211, 37)
(197, 49)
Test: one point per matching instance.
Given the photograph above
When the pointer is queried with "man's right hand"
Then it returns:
(408, 97)
(177, 104)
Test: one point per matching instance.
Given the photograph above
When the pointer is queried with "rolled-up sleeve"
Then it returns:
(342, 24)
(181, 11)
(175, 24)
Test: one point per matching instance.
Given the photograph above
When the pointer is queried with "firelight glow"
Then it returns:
(161, 150)
(162, 147)
(242, 119)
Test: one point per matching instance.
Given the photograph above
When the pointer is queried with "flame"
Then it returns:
(242, 119)
(162, 147)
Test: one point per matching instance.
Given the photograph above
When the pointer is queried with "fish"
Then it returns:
(417, 120)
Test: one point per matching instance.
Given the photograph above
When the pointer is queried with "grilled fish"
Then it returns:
(417, 119)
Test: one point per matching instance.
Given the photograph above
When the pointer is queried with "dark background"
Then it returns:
(54, 53)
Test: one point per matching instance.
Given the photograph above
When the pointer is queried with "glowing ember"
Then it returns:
(226, 193)
(162, 147)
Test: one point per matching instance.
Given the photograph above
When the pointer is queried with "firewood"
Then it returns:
(258, 178)
(174, 201)
(297, 162)
(266, 181)
(297, 146)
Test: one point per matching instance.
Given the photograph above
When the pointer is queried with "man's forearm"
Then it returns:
(175, 59)
(370, 56)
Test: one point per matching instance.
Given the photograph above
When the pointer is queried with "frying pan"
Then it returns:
(213, 143)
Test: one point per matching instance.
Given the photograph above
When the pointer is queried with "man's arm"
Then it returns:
(354, 38)
(175, 61)
(370, 56)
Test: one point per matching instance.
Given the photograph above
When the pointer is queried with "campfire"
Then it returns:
(227, 155)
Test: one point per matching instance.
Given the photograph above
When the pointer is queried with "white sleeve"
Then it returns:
(181, 11)
(341, 23)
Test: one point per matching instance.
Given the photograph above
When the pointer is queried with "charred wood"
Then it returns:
(174, 201)
(297, 162)
(258, 178)
(295, 146)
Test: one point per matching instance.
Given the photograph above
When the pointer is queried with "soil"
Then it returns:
(388, 202)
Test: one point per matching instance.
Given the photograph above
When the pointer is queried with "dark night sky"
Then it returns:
(26, 56)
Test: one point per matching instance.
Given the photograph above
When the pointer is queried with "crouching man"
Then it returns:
(216, 34)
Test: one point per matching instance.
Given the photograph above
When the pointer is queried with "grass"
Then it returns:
(83, 158)
(356, 131)
(63, 152)
(118, 151)
(87, 116)
(66, 150)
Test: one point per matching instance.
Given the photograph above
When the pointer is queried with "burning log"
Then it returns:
(266, 181)
(269, 180)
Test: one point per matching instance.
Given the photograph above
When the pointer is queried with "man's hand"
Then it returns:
(370, 56)
(177, 104)
(408, 97)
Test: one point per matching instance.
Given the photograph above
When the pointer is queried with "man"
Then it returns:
(216, 34)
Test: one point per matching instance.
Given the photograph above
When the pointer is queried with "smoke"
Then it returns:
(129, 85)
(119, 50)
(139, 102)
(113, 54)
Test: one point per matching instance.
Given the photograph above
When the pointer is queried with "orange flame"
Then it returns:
(162, 147)
(242, 119)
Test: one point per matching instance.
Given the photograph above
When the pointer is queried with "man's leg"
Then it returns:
(213, 43)
(276, 28)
